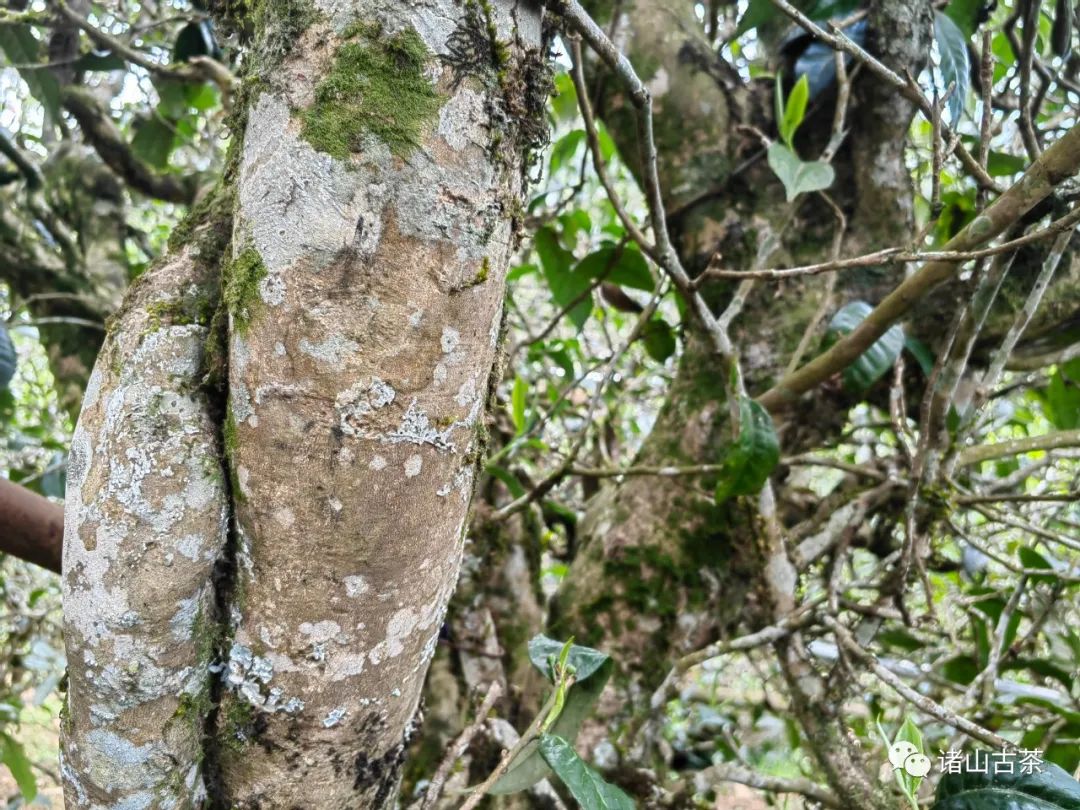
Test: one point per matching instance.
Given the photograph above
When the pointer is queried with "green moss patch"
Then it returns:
(376, 87)
(241, 293)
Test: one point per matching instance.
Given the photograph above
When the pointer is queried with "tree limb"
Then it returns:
(107, 141)
(1055, 165)
(31, 527)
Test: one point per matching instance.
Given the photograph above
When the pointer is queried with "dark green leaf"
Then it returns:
(758, 12)
(196, 39)
(952, 45)
(1033, 559)
(922, 354)
(153, 141)
(752, 457)
(962, 669)
(1046, 669)
(965, 13)
(13, 755)
(872, 364)
(659, 339)
(1052, 789)
(507, 477)
(623, 266)
(8, 358)
(1061, 398)
(566, 285)
(586, 786)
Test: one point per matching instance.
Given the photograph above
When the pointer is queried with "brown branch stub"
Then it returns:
(31, 527)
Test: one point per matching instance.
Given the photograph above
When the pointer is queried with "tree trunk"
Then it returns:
(372, 205)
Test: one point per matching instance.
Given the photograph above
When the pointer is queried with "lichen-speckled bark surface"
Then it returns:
(366, 301)
(146, 517)
(257, 563)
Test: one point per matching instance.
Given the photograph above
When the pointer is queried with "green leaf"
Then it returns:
(565, 284)
(507, 477)
(798, 176)
(965, 13)
(872, 364)
(564, 148)
(659, 339)
(952, 45)
(794, 109)
(586, 786)
(625, 267)
(922, 354)
(21, 47)
(585, 660)
(758, 12)
(752, 457)
(8, 358)
(910, 733)
(564, 102)
(517, 404)
(592, 669)
(14, 757)
(1061, 397)
(153, 141)
(1052, 789)
(1030, 558)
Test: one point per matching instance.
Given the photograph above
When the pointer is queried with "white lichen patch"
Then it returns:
(450, 339)
(248, 675)
(334, 351)
(416, 428)
(413, 465)
(466, 395)
(334, 716)
(355, 586)
(284, 517)
(319, 632)
(377, 463)
(183, 621)
(272, 289)
(357, 403)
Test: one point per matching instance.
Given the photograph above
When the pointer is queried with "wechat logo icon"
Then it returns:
(904, 754)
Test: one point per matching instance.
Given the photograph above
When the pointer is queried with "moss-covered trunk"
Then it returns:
(274, 464)
(662, 569)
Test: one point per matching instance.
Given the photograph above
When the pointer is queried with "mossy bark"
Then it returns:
(241, 639)
(662, 569)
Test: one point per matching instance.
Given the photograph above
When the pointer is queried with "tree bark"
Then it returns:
(373, 202)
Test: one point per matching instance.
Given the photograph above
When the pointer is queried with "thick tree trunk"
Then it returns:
(373, 204)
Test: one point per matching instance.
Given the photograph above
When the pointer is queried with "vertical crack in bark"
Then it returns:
(224, 573)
